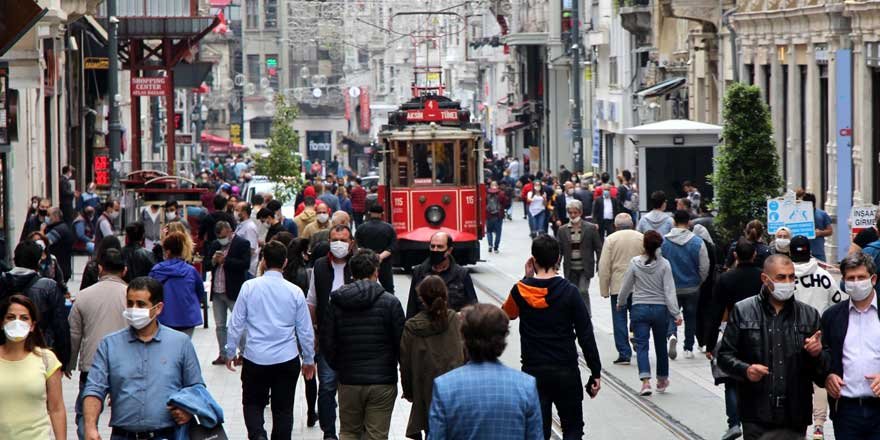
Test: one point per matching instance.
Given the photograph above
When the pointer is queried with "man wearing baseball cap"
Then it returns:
(817, 288)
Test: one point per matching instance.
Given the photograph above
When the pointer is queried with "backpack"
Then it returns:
(493, 206)
(873, 250)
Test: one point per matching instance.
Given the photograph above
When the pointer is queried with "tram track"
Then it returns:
(610, 381)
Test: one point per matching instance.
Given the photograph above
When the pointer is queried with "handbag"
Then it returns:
(199, 432)
(717, 372)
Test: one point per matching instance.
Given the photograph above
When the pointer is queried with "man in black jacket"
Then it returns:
(605, 208)
(228, 262)
(208, 222)
(553, 315)
(61, 241)
(850, 340)
(139, 261)
(772, 345)
(67, 188)
(25, 279)
(440, 262)
(330, 273)
(380, 237)
(361, 342)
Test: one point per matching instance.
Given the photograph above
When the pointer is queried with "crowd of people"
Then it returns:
(313, 296)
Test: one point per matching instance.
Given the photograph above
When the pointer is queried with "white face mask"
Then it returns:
(339, 249)
(170, 215)
(137, 318)
(41, 243)
(322, 218)
(782, 244)
(223, 241)
(16, 330)
(859, 290)
(783, 291)
(575, 220)
(113, 215)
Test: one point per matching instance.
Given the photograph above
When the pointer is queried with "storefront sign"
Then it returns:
(862, 217)
(4, 104)
(365, 110)
(96, 63)
(235, 133)
(101, 165)
(152, 86)
(319, 144)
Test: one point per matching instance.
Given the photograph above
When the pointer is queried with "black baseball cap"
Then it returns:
(800, 249)
(377, 209)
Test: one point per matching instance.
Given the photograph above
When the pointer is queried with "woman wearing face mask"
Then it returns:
(49, 267)
(781, 241)
(184, 289)
(537, 209)
(30, 377)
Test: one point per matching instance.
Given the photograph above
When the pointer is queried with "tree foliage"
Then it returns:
(283, 164)
(747, 164)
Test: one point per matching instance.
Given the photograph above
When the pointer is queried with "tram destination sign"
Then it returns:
(432, 113)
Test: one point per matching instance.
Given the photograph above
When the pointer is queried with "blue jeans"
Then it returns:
(327, 385)
(621, 335)
(647, 319)
(536, 222)
(688, 304)
(78, 408)
(493, 230)
(730, 404)
(855, 421)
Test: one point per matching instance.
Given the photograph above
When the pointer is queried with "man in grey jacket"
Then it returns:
(689, 258)
(581, 247)
(656, 220)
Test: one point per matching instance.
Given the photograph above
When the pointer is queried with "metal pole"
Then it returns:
(113, 93)
(576, 119)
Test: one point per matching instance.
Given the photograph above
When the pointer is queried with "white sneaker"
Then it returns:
(688, 354)
(673, 346)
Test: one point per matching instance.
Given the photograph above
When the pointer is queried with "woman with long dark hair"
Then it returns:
(91, 273)
(30, 376)
(298, 272)
(649, 280)
(430, 347)
(49, 267)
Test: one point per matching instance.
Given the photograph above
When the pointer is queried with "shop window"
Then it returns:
(260, 128)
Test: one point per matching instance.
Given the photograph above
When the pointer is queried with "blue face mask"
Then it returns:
(606, 193)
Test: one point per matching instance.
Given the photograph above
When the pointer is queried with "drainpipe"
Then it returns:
(725, 21)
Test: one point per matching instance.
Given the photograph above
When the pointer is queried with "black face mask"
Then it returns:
(43, 212)
(437, 257)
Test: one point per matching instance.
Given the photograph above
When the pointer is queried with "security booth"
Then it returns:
(672, 152)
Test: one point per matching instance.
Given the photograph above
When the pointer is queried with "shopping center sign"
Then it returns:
(150, 86)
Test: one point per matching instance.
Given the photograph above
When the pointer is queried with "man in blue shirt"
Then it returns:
(484, 399)
(141, 367)
(274, 313)
(824, 228)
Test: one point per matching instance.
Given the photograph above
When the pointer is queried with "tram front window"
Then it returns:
(422, 163)
(445, 161)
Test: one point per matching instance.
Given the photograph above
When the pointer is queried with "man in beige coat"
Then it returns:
(96, 313)
(620, 247)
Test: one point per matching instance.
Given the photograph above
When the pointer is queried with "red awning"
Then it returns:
(230, 149)
(511, 126)
(220, 3)
(216, 140)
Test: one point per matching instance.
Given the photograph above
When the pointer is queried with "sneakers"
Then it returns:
(734, 432)
(688, 354)
(673, 346)
(818, 433)
(646, 389)
(311, 419)
(662, 385)
(621, 361)
(490, 250)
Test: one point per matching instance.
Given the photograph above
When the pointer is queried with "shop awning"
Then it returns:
(220, 3)
(231, 149)
(215, 140)
(18, 18)
(661, 88)
(510, 126)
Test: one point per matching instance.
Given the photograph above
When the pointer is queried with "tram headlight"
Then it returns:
(435, 215)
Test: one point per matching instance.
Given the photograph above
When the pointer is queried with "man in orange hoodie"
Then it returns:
(553, 316)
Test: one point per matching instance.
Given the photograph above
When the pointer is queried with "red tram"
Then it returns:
(432, 178)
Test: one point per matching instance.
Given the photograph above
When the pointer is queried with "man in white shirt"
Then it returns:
(247, 229)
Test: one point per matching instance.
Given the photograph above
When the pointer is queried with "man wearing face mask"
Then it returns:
(229, 258)
(247, 229)
(772, 345)
(321, 223)
(96, 313)
(270, 223)
(581, 246)
(605, 208)
(173, 214)
(37, 220)
(140, 367)
(329, 274)
(104, 224)
(850, 341)
(440, 262)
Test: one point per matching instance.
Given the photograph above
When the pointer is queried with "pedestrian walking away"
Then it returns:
(379, 236)
(617, 253)
(650, 282)
(272, 358)
(553, 315)
(658, 219)
(361, 342)
(485, 399)
(772, 346)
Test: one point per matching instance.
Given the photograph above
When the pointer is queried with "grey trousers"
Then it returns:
(580, 279)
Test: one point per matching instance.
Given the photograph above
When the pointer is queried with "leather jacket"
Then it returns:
(756, 335)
